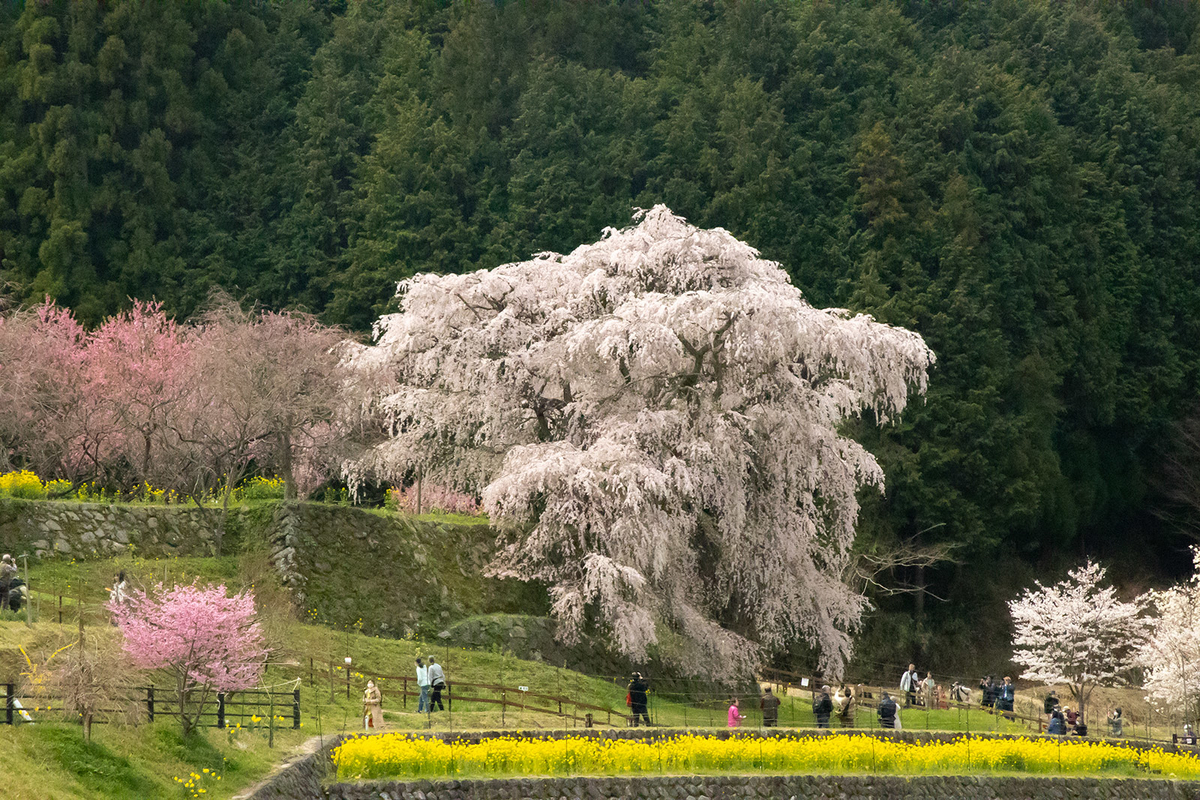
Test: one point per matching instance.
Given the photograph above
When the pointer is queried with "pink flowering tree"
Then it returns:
(1077, 633)
(207, 640)
(139, 363)
(56, 421)
(655, 424)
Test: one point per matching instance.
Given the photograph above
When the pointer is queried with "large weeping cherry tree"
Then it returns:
(653, 423)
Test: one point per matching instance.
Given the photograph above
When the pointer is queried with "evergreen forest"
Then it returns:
(1017, 180)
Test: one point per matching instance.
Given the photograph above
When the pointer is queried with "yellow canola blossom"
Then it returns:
(407, 756)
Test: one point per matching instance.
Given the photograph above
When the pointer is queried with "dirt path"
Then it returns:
(309, 747)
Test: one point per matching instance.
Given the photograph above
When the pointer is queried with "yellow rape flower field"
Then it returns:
(405, 756)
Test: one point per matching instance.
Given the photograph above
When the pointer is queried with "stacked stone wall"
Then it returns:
(784, 787)
(93, 530)
(385, 574)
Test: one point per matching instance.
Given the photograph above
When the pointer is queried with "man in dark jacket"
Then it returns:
(770, 708)
(637, 698)
(887, 712)
(987, 690)
(823, 707)
(1049, 704)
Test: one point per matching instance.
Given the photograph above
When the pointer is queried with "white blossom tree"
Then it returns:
(653, 422)
(1170, 654)
(1077, 633)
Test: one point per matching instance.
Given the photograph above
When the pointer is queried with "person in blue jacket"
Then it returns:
(1004, 701)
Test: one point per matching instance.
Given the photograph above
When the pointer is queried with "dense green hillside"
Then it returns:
(1016, 180)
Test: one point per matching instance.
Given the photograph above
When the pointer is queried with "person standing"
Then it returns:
(437, 682)
(638, 701)
(823, 707)
(909, 683)
(929, 690)
(735, 715)
(887, 711)
(770, 708)
(1116, 723)
(1004, 701)
(423, 686)
(119, 592)
(372, 706)
(845, 705)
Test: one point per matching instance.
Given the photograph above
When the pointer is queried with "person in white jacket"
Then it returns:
(910, 682)
(423, 685)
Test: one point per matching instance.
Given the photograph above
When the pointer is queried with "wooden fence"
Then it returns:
(150, 703)
(508, 698)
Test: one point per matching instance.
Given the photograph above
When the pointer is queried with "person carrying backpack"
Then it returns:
(887, 711)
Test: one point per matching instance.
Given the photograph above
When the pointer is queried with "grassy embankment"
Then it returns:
(50, 761)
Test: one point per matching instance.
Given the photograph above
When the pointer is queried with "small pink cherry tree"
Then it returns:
(206, 639)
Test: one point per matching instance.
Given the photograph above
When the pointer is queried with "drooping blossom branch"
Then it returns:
(653, 421)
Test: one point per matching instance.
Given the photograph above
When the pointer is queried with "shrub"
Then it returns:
(23, 484)
(433, 498)
(404, 756)
(260, 488)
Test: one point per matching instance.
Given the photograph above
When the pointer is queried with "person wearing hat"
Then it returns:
(637, 698)
(888, 712)
(823, 707)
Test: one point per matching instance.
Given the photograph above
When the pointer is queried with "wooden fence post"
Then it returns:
(295, 709)
(220, 709)
(150, 702)
(9, 703)
(406, 692)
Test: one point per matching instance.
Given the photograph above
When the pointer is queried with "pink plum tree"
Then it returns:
(139, 363)
(55, 422)
(206, 639)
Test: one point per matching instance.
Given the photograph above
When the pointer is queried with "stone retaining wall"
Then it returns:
(90, 530)
(297, 780)
(793, 787)
(386, 574)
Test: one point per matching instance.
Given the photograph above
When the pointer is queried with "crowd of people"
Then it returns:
(916, 692)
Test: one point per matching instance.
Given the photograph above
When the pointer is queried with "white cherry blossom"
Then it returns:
(653, 422)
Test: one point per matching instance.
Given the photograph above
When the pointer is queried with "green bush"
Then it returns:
(259, 488)
(23, 484)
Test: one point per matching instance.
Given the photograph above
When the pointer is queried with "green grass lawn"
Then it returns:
(144, 760)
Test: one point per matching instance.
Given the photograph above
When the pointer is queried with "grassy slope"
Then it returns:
(51, 760)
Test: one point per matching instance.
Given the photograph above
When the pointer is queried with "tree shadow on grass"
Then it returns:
(100, 771)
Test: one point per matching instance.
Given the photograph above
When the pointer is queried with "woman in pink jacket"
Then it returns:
(735, 716)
